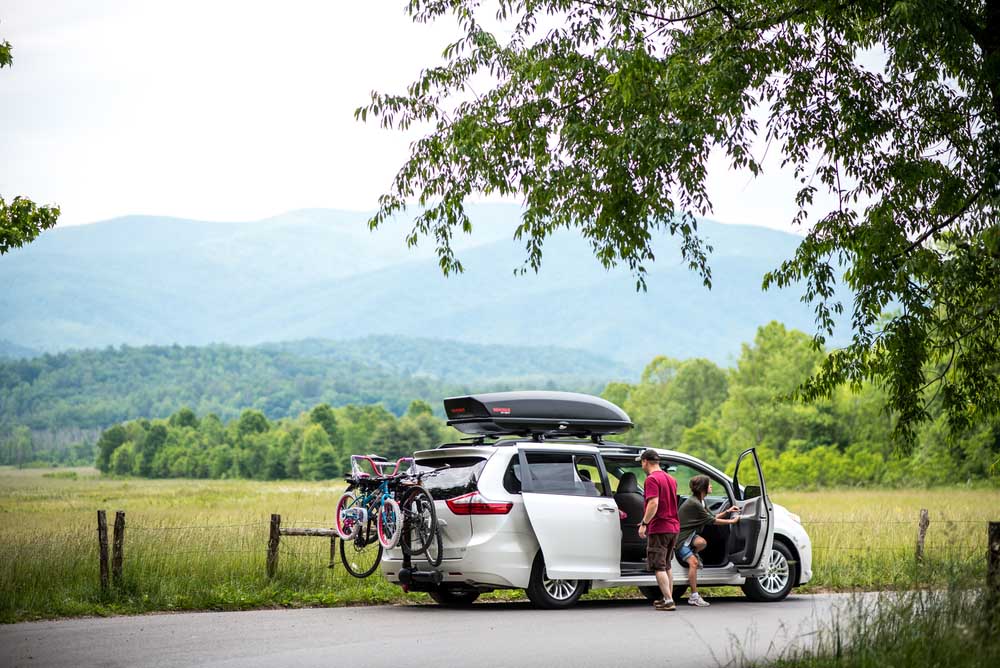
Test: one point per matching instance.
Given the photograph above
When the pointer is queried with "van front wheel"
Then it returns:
(549, 594)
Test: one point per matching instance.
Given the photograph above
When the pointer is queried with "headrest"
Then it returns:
(628, 484)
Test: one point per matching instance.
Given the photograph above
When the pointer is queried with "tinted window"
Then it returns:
(460, 478)
(562, 473)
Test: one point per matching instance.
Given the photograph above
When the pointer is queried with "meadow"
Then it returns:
(200, 544)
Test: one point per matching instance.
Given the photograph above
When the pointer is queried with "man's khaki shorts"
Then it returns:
(659, 547)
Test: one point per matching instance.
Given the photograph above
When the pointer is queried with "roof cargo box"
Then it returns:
(524, 413)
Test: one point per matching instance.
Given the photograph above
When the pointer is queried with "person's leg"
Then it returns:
(694, 563)
(698, 545)
(666, 582)
(659, 562)
(693, 573)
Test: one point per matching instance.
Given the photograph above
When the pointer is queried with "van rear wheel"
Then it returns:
(549, 594)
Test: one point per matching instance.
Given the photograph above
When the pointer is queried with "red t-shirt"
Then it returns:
(661, 485)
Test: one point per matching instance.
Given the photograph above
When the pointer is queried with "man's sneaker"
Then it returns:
(696, 599)
(664, 605)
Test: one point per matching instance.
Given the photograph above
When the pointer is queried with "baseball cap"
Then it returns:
(650, 455)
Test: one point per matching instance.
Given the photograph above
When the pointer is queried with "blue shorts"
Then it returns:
(685, 551)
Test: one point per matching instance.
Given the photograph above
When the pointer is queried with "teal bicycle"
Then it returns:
(369, 518)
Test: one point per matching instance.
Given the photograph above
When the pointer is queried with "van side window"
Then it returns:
(512, 477)
(562, 473)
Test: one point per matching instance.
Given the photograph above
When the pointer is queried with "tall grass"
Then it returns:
(866, 539)
(956, 627)
(192, 545)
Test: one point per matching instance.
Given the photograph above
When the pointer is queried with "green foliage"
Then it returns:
(315, 445)
(697, 408)
(93, 389)
(954, 626)
(606, 122)
(22, 220)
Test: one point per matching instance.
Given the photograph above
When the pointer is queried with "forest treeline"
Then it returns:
(315, 445)
(692, 405)
(67, 398)
(712, 413)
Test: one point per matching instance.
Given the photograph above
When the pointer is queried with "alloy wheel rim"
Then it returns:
(560, 590)
(776, 577)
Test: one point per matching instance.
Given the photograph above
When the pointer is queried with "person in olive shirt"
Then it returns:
(694, 516)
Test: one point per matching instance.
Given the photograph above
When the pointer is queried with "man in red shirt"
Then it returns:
(661, 524)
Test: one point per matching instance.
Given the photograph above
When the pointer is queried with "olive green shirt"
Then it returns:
(693, 515)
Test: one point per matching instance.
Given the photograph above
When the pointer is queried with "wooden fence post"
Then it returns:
(102, 547)
(993, 570)
(333, 551)
(272, 545)
(925, 521)
(117, 548)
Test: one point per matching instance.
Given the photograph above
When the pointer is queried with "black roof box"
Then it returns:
(529, 413)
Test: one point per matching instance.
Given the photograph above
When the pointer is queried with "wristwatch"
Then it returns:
(644, 524)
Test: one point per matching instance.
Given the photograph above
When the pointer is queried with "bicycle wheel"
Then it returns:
(361, 556)
(350, 516)
(420, 521)
(390, 523)
(434, 549)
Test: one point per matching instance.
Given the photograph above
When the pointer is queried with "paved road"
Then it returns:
(594, 633)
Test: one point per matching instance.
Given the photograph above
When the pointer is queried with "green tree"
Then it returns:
(602, 116)
(319, 460)
(123, 459)
(111, 439)
(419, 407)
(22, 220)
(324, 416)
(252, 422)
(757, 411)
(20, 446)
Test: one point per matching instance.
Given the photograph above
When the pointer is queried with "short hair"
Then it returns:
(699, 485)
(650, 455)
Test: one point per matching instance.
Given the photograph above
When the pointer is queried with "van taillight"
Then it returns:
(475, 504)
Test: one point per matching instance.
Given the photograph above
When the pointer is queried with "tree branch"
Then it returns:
(649, 15)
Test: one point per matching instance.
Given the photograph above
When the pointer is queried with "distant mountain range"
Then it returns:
(320, 274)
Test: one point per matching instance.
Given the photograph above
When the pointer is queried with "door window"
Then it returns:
(683, 474)
(563, 473)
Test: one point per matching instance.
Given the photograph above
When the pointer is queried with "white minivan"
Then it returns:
(551, 508)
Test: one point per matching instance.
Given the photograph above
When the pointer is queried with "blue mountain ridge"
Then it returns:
(322, 274)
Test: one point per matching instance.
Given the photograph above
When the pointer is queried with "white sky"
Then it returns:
(231, 110)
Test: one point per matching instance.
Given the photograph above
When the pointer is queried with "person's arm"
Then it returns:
(719, 519)
(651, 505)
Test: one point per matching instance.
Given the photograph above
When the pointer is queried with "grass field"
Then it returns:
(201, 544)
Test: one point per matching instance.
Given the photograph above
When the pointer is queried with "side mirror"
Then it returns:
(751, 491)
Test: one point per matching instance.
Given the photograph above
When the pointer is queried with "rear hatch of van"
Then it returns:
(459, 479)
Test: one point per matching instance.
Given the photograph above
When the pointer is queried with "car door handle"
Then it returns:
(605, 508)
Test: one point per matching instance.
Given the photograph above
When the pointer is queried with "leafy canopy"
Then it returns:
(22, 220)
(601, 116)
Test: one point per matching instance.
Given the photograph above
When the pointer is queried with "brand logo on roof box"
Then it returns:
(501, 410)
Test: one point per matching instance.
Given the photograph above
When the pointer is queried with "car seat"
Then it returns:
(631, 502)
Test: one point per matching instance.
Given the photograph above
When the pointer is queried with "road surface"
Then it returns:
(603, 634)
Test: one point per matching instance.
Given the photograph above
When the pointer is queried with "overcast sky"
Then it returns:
(230, 110)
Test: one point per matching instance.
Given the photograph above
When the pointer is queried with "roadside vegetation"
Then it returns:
(200, 544)
(956, 626)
